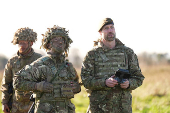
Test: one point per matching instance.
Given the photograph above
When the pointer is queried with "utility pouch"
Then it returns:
(22, 96)
(66, 91)
(57, 93)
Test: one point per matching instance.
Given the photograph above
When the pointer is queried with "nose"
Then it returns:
(110, 30)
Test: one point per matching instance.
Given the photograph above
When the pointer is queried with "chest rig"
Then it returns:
(61, 79)
(108, 61)
(17, 65)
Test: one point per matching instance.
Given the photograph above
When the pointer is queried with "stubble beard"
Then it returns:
(110, 38)
(24, 50)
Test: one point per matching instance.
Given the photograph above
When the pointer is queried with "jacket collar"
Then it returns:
(27, 55)
(117, 41)
(56, 58)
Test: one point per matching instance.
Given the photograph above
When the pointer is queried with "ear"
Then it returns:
(31, 43)
(100, 33)
(49, 46)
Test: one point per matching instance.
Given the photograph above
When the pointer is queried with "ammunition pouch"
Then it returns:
(66, 91)
(22, 96)
(63, 89)
(60, 91)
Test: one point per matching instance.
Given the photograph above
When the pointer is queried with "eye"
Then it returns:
(112, 27)
(62, 39)
(106, 28)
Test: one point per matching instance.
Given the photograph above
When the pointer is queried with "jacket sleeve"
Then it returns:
(136, 78)
(87, 74)
(76, 84)
(6, 80)
(26, 78)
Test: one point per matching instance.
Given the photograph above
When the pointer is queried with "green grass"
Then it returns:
(81, 101)
(151, 104)
(152, 97)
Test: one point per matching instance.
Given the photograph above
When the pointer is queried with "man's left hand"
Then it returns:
(125, 84)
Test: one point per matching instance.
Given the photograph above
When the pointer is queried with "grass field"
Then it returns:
(152, 97)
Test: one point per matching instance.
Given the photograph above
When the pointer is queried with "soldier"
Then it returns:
(24, 37)
(99, 69)
(53, 80)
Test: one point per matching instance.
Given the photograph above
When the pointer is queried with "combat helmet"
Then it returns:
(26, 34)
(53, 32)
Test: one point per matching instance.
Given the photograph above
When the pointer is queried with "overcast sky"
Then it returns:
(142, 25)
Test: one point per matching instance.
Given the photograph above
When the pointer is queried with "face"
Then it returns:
(108, 32)
(23, 45)
(57, 44)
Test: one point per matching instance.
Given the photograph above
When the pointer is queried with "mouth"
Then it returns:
(110, 35)
(23, 48)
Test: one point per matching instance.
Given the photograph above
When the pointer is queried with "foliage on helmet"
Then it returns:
(53, 32)
(26, 34)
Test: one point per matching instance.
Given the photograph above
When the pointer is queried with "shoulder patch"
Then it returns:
(44, 58)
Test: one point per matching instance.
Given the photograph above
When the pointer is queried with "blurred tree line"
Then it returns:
(76, 58)
(154, 58)
(3, 61)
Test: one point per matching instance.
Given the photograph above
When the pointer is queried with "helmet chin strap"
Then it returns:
(28, 48)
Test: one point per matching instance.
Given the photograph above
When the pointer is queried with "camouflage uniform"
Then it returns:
(101, 63)
(21, 101)
(57, 71)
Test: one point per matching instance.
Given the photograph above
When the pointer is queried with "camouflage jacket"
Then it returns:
(102, 62)
(45, 69)
(60, 73)
(14, 65)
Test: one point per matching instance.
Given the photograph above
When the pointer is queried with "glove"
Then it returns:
(44, 86)
(75, 87)
(5, 108)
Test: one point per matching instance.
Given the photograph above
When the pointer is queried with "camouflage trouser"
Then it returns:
(20, 107)
(64, 106)
(110, 103)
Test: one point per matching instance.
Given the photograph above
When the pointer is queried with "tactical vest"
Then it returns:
(16, 65)
(61, 84)
(107, 62)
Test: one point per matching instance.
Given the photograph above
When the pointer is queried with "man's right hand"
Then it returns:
(111, 82)
(5, 108)
(44, 86)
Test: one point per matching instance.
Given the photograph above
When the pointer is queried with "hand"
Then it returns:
(5, 108)
(44, 86)
(75, 87)
(111, 82)
(125, 84)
